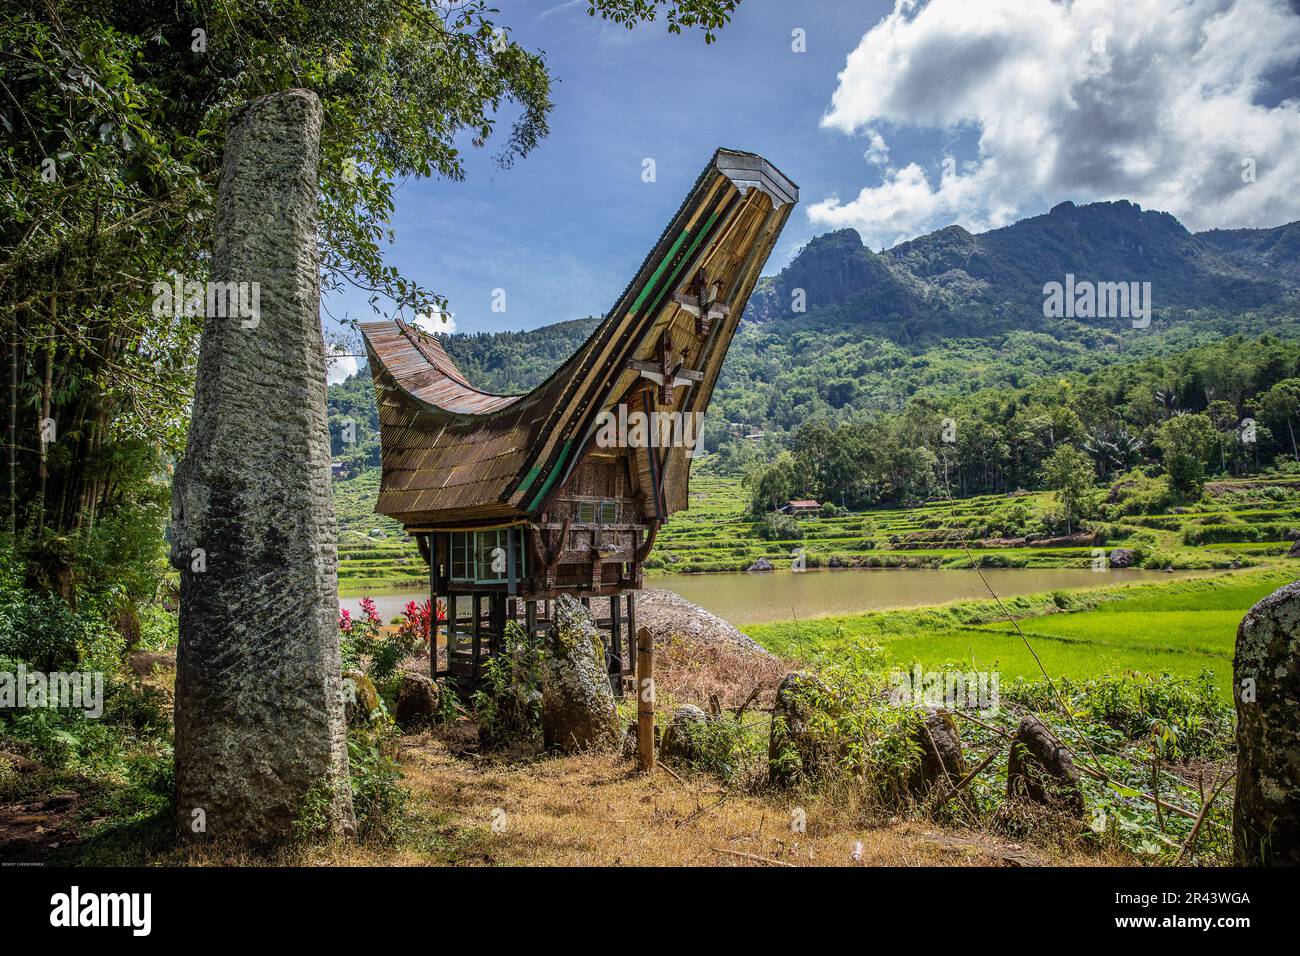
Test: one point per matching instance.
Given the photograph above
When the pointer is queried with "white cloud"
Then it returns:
(340, 365)
(877, 149)
(560, 8)
(443, 323)
(1150, 100)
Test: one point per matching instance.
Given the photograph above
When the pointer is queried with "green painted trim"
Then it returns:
(555, 473)
(650, 286)
(654, 276)
(699, 237)
(529, 479)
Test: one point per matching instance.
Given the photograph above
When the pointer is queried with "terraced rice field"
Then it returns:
(1240, 523)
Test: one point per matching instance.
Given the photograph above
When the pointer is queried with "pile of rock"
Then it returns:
(666, 614)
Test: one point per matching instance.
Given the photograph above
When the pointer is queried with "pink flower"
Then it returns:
(372, 612)
(345, 621)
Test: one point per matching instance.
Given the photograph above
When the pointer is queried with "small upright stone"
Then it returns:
(417, 702)
(1041, 769)
(794, 751)
(578, 710)
(941, 754)
(681, 738)
(1266, 683)
(360, 698)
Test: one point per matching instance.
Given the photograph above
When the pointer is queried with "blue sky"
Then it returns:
(563, 230)
(896, 120)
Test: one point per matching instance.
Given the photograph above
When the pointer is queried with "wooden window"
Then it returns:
(474, 554)
(462, 568)
(486, 556)
(586, 512)
(608, 512)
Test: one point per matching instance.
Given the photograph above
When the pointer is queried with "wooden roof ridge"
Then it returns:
(734, 163)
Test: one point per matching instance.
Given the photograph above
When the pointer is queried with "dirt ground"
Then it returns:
(587, 810)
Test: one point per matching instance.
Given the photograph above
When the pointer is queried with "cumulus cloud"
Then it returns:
(444, 323)
(340, 365)
(1165, 102)
(877, 149)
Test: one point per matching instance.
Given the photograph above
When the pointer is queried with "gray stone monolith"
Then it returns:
(1266, 685)
(578, 709)
(260, 735)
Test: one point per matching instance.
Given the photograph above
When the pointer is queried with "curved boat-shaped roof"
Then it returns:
(421, 367)
(456, 456)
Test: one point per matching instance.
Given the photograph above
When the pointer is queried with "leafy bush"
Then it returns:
(726, 747)
(1188, 712)
(42, 630)
(366, 639)
(378, 799)
(508, 705)
(779, 527)
(856, 733)
(1136, 493)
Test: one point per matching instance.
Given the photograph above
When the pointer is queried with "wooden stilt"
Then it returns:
(433, 606)
(498, 622)
(476, 612)
(615, 663)
(632, 633)
(453, 610)
(645, 708)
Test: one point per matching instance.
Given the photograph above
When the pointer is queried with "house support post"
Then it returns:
(645, 708)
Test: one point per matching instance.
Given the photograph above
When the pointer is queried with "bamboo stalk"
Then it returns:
(1200, 818)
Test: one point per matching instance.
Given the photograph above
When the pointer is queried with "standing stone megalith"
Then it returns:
(578, 709)
(260, 731)
(1266, 685)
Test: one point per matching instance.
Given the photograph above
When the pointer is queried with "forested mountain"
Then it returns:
(951, 313)
(954, 320)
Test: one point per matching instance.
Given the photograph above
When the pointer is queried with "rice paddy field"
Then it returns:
(1239, 523)
(1182, 628)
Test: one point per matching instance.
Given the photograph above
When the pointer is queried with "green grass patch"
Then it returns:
(1180, 627)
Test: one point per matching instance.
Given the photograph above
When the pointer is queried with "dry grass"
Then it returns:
(691, 672)
(598, 810)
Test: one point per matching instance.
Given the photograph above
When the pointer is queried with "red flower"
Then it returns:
(418, 624)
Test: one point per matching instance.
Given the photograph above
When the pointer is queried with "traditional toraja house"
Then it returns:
(516, 499)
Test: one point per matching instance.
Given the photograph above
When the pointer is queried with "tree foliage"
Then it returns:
(114, 116)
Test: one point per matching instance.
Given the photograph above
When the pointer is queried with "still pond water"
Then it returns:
(755, 598)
